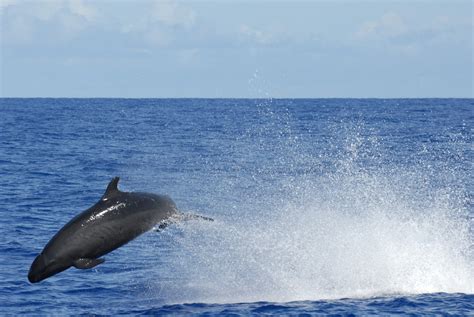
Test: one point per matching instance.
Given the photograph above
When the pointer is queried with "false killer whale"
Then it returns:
(116, 219)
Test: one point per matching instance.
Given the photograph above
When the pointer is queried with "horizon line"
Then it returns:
(236, 98)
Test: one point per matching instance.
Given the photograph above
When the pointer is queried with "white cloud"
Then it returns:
(390, 32)
(389, 25)
(6, 3)
(47, 11)
(161, 22)
(25, 18)
(402, 36)
(172, 14)
(80, 8)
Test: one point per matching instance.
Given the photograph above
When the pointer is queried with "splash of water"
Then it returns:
(364, 228)
(360, 239)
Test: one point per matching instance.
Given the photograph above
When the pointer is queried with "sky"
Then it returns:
(236, 49)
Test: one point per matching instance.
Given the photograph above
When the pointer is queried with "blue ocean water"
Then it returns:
(321, 206)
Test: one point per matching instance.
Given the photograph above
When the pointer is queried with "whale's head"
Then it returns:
(44, 267)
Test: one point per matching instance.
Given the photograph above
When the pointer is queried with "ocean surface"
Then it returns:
(321, 206)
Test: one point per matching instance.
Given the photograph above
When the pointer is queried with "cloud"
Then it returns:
(161, 23)
(6, 4)
(47, 11)
(172, 14)
(398, 35)
(22, 21)
(389, 25)
(52, 23)
(80, 8)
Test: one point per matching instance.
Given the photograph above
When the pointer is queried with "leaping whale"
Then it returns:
(117, 218)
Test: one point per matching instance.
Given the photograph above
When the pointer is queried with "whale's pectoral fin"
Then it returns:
(84, 263)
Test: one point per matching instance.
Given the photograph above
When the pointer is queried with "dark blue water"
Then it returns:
(321, 206)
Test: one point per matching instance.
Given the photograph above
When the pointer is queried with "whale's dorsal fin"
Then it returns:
(111, 188)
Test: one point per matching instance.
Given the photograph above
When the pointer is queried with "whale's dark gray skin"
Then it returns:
(116, 219)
